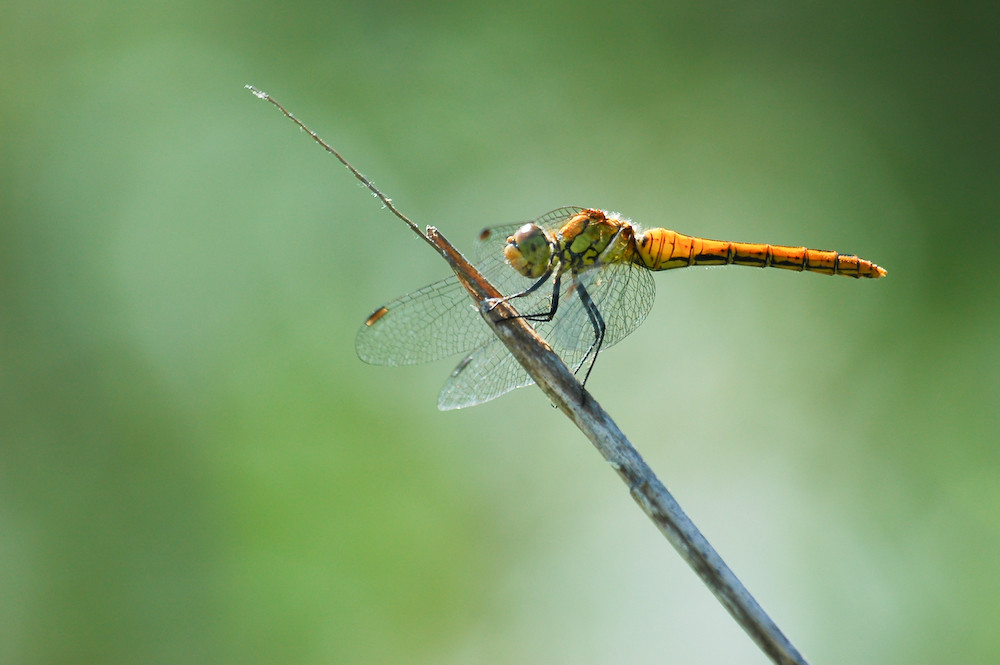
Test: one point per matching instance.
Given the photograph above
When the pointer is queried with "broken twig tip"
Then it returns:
(259, 94)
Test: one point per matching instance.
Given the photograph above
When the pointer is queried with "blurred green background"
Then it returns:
(196, 468)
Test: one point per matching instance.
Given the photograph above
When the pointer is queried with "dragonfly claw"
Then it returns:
(489, 304)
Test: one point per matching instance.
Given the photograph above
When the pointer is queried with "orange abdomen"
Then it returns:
(662, 249)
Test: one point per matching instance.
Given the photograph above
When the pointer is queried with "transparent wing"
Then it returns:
(483, 375)
(431, 323)
(555, 219)
(623, 294)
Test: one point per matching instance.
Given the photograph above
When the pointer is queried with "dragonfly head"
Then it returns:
(529, 251)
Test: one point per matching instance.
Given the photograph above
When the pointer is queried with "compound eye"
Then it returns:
(528, 251)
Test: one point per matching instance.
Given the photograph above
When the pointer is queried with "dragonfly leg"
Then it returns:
(493, 302)
(600, 328)
(553, 302)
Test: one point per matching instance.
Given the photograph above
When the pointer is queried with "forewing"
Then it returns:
(556, 219)
(431, 323)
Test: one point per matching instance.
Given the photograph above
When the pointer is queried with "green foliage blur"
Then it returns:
(196, 468)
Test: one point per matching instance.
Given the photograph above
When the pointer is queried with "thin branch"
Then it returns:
(561, 386)
(386, 201)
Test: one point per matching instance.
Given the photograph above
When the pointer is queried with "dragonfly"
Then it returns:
(581, 276)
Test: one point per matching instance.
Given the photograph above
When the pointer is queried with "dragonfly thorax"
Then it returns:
(529, 251)
(592, 237)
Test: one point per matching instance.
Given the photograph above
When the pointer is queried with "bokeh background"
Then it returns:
(196, 468)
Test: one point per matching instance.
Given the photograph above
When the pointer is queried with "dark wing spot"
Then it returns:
(376, 315)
